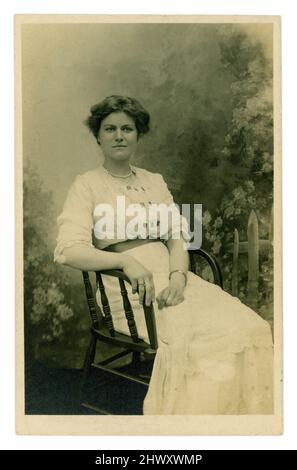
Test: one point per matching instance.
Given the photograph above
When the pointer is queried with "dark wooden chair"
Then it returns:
(103, 331)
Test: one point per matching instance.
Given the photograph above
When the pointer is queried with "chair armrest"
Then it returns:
(116, 273)
(213, 263)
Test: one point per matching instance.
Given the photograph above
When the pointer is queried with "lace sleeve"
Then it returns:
(75, 223)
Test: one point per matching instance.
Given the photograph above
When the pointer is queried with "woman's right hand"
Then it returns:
(141, 280)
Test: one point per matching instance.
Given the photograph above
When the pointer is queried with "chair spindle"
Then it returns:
(95, 313)
(105, 305)
(129, 312)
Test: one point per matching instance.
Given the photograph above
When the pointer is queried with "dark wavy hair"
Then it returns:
(117, 103)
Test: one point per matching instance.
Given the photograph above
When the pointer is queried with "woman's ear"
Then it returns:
(98, 141)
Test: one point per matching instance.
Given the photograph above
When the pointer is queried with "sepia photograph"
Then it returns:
(148, 215)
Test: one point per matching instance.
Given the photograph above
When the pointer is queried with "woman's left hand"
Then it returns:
(173, 294)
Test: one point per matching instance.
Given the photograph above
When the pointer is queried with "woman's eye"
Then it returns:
(109, 129)
(128, 129)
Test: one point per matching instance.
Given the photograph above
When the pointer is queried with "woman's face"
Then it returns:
(118, 136)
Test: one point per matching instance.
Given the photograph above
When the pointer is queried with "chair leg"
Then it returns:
(89, 358)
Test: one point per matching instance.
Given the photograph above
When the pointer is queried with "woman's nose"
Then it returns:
(119, 135)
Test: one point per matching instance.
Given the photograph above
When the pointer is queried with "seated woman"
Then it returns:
(215, 354)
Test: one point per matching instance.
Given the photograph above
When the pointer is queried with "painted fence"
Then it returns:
(252, 247)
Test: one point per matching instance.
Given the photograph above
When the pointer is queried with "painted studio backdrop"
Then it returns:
(208, 88)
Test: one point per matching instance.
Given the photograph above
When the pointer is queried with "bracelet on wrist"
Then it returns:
(181, 272)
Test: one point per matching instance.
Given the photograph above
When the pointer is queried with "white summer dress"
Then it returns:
(215, 354)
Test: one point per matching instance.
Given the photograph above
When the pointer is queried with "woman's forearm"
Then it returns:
(86, 258)
(179, 257)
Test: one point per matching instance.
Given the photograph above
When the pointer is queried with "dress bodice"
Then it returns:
(96, 191)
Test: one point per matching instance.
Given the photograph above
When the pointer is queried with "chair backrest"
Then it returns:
(211, 260)
(101, 319)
